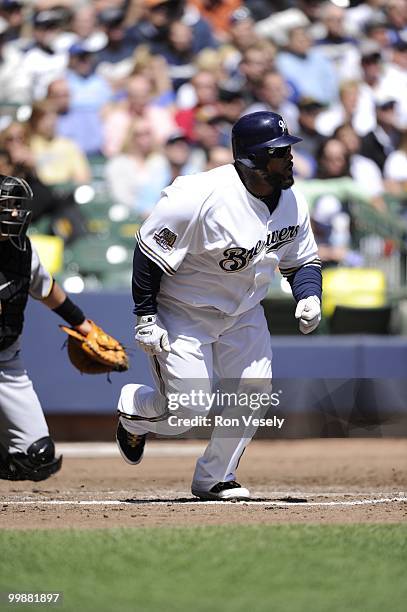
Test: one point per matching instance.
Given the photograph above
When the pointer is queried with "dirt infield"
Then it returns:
(319, 481)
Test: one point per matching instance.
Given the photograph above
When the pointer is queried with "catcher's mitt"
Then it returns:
(95, 353)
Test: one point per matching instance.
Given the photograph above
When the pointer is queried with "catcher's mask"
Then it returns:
(14, 218)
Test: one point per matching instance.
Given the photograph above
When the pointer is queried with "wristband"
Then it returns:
(70, 312)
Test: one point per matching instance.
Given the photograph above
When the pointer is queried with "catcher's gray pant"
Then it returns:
(202, 341)
(22, 420)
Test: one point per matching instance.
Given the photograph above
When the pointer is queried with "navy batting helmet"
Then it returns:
(256, 135)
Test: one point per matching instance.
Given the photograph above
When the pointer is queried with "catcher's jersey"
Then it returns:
(219, 245)
(40, 287)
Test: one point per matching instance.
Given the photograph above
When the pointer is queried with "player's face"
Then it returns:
(280, 168)
(4, 237)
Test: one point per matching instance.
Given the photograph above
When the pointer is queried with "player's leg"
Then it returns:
(28, 452)
(242, 358)
(186, 368)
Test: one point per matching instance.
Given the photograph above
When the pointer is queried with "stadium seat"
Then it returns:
(279, 311)
(349, 320)
(50, 250)
(353, 287)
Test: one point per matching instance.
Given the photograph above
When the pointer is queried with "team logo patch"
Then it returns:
(165, 238)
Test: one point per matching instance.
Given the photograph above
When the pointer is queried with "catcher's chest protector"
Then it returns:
(15, 274)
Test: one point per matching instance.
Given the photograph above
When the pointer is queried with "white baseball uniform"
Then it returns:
(218, 246)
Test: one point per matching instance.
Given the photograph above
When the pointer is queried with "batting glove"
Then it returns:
(308, 311)
(150, 337)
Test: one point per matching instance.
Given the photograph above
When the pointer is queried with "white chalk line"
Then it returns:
(171, 494)
(85, 450)
(281, 504)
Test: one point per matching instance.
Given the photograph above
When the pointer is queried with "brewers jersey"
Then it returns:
(219, 245)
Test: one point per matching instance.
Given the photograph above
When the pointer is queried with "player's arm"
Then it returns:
(306, 286)
(302, 268)
(162, 243)
(146, 280)
(62, 305)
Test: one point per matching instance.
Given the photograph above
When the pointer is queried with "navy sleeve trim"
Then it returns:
(145, 283)
(306, 281)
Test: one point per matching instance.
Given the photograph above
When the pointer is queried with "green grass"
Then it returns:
(279, 568)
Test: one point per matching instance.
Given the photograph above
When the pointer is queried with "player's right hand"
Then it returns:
(150, 337)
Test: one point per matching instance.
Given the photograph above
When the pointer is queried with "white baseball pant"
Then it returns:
(203, 341)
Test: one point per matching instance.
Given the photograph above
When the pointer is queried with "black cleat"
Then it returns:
(38, 463)
(131, 446)
(223, 491)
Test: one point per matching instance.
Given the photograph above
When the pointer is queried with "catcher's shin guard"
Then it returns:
(38, 463)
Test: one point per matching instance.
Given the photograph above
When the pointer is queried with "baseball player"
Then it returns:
(203, 262)
(26, 450)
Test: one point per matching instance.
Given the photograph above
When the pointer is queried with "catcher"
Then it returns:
(27, 451)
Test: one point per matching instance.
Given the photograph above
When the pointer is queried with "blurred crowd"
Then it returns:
(153, 87)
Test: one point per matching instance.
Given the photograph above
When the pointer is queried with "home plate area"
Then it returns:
(317, 481)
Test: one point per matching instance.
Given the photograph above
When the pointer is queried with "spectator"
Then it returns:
(272, 95)
(217, 13)
(396, 13)
(395, 169)
(309, 109)
(82, 27)
(66, 219)
(256, 61)
(42, 62)
(202, 92)
(178, 52)
(12, 12)
(118, 46)
(231, 106)
(155, 69)
(376, 30)
(353, 106)
(340, 49)
(207, 132)
(138, 105)
(114, 60)
(306, 69)
(57, 159)
(385, 137)
(373, 71)
(89, 92)
(218, 156)
(135, 168)
(159, 14)
(277, 26)
(394, 80)
(356, 17)
(14, 139)
(363, 170)
(261, 9)
(330, 218)
(14, 80)
(242, 35)
(177, 159)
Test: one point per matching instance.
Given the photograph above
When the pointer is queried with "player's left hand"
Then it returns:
(308, 311)
(93, 351)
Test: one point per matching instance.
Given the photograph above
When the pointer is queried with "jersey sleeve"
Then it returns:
(41, 281)
(169, 232)
(303, 251)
